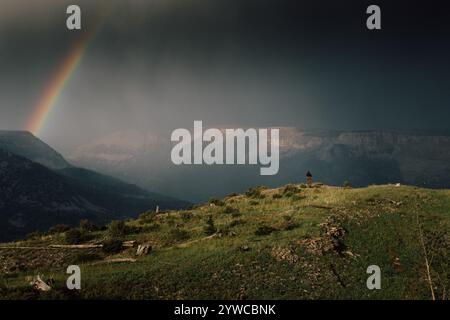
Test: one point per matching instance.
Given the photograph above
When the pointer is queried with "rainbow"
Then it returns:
(58, 81)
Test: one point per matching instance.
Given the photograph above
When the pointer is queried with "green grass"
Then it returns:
(296, 260)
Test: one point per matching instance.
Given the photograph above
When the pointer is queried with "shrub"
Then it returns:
(73, 236)
(186, 215)
(87, 226)
(230, 209)
(151, 227)
(216, 202)
(59, 228)
(253, 203)
(147, 216)
(34, 235)
(264, 230)
(117, 229)
(209, 228)
(255, 192)
(84, 257)
(235, 223)
(236, 214)
(290, 225)
(347, 184)
(290, 188)
(179, 234)
(112, 246)
(297, 197)
(277, 196)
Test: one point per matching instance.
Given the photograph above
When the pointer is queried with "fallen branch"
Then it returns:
(116, 260)
(427, 265)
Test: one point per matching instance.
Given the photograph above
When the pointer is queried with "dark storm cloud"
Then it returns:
(158, 65)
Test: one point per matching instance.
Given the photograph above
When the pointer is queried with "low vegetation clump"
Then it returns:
(87, 226)
(85, 257)
(264, 230)
(178, 234)
(117, 229)
(59, 228)
(186, 215)
(147, 217)
(216, 202)
(230, 209)
(256, 192)
(112, 246)
(290, 190)
(209, 228)
(74, 236)
(347, 184)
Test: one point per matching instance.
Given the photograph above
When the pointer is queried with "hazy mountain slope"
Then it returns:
(24, 144)
(362, 157)
(34, 197)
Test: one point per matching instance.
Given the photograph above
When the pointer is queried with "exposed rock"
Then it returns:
(284, 254)
(40, 284)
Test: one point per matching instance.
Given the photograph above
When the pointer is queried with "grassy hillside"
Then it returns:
(288, 243)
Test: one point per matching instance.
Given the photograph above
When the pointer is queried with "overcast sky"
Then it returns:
(158, 65)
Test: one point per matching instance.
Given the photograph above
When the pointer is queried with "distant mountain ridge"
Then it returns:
(362, 157)
(39, 188)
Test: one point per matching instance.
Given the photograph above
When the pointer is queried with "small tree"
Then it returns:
(73, 236)
(87, 226)
(59, 228)
(117, 229)
(112, 246)
(210, 228)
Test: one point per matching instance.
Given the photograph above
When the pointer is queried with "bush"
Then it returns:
(236, 214)
(210, 228)
(151, 227)
(264, 230)
(178, 234)
(59, 228)
(235, 223)
(73, 236)
(147, 216)
(112, 246)
(84, 257)
(277, 196)
(255, 192)
(186, 215)
(347, 184)
(297, 197)
(216, 202)
(230, 209)
(34, 235)
(87, 226)
(253, 203)
(117, 229)
(290, 188)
